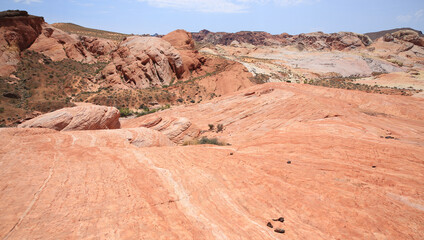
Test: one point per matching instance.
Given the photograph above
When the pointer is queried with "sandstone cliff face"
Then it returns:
(143, 62)
(77, 118)
(18, 31)
(59, 45)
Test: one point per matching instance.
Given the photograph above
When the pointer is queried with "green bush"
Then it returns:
(125, 112)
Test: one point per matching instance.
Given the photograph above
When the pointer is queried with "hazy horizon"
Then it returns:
(273, 16)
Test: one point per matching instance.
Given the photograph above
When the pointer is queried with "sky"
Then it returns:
(273, 16)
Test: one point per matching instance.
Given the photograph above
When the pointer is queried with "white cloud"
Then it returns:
(224, 6)
(410, 17)
(27, 1)
(221, 6)
(419, 13)
(404, 18)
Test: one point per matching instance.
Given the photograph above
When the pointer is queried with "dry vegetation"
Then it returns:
(83, 31)
(348, 83)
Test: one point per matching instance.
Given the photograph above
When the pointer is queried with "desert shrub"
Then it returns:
(211, 127)
(259, 78)
(219, 128)
(204, 140)
(125, 112)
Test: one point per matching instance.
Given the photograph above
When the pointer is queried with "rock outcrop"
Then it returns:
(355, 172)
(310, 41)
(18, 31)
(77, 118)
(180, 39)
(59, 45)
(177, 129)
(143, 62)
(406, 36)
(99, 46)
(184, 43)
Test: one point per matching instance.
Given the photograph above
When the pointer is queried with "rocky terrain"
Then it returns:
(334, 163)
(207, 135)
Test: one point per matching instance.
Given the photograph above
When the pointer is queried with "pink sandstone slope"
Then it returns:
(96, 184)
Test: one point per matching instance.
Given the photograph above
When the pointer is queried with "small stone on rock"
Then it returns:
(269, 225)
(279, 230)
(281, 219)
(288, 162)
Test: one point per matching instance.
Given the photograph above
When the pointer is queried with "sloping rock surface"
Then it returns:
(177, 129)
(89, 184)
(77, 118)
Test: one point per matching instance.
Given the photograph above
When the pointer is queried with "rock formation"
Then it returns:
(77, 118)
(177, 129)
(18, 31)
(406, 36)
(59, 45)
(356, 172)
(180, 39)
(183, 42)
(310, 41)
(98, 46)
(143, 62)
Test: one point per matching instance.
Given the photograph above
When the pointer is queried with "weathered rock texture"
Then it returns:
(18, 31)
(89, 184)
(77, 118)
(141, 62)
(177, 129)
(98, 46)
(59, 45)
(184, 43)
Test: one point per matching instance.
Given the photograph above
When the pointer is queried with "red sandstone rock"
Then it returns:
(16, 34)
(177, 129)
(96, 184)
(77, 118)
(144, 62)
(180, 39)
(59, 45)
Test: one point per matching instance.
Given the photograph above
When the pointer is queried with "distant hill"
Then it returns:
(79, 30)
(375, 35)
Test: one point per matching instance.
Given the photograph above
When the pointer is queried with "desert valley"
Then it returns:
(209, 135)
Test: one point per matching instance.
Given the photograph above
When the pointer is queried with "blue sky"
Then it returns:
(274, 16)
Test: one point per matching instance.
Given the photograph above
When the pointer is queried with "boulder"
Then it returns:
(143, 62)
(77, 118)
(180, 39)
